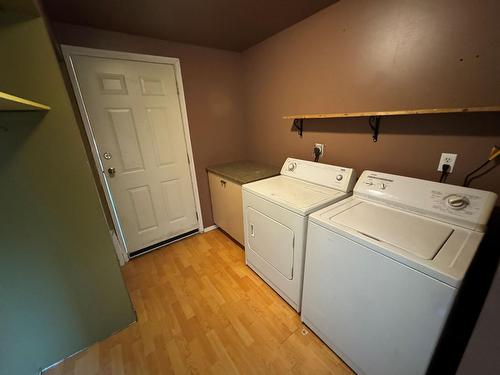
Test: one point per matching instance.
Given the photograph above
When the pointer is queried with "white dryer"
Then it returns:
(275, 214)
(383, 268)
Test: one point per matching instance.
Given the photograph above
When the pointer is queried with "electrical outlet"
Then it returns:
(449, 159)
(321, 147)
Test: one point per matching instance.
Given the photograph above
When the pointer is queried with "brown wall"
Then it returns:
(213, 89)
(356, 55)
(481, 354)
(380, 55)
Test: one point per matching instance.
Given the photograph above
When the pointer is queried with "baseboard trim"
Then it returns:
(208, 229)
(41, 371)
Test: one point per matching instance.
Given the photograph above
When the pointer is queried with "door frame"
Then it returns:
(68, 51)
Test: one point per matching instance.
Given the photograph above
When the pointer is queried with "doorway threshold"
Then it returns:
(147, 249)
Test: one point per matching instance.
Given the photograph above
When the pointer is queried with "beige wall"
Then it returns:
(213, 89)
(380, 55)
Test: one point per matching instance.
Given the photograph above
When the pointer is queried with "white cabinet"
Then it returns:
(227, 206)
(225, 182)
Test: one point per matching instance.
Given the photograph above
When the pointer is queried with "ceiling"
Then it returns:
(227, 24)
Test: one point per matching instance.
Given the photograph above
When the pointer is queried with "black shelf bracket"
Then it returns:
(374, 122)
(298, 124)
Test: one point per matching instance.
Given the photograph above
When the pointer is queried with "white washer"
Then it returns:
(275, 220)
(383, 268)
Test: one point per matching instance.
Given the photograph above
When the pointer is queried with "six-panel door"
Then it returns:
(135, 115)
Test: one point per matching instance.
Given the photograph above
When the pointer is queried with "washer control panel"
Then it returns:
(449, 201)
(459, 205)
(332, 176)
(376, 182)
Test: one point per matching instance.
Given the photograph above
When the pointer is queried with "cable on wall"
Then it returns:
(495, 152)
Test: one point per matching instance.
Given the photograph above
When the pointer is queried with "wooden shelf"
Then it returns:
(13, 103)
(395, 113)
(374, 117)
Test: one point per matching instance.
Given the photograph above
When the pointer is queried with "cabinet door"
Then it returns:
(227, 206)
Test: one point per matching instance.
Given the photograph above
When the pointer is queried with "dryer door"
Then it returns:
(272, 241)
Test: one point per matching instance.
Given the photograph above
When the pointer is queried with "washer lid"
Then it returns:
(414, 234)
(296, 195)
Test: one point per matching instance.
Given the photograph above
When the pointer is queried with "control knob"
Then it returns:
(292, 166)
(457, 202)
(339, 177)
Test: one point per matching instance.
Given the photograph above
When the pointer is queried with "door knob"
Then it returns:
(111, 171)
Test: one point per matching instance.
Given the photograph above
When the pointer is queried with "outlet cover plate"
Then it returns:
(449, 159)
(321, 146)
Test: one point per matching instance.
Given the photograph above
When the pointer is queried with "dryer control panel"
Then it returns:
(331, 176)
(467, 207)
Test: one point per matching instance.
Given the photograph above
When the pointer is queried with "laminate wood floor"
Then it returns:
(201, 310)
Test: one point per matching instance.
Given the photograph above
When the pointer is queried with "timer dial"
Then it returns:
(457, 202)
(292, 166)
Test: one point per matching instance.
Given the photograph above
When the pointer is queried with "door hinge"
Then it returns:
(197, 219)
(177, 87)
(189, 160)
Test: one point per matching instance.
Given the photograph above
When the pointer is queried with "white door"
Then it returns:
(134, 113)
(272, 241)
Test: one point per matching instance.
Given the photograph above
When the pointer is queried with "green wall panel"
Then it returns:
(60, 284)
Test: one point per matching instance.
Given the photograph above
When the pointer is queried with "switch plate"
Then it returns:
(449, 159)
(321, 147)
